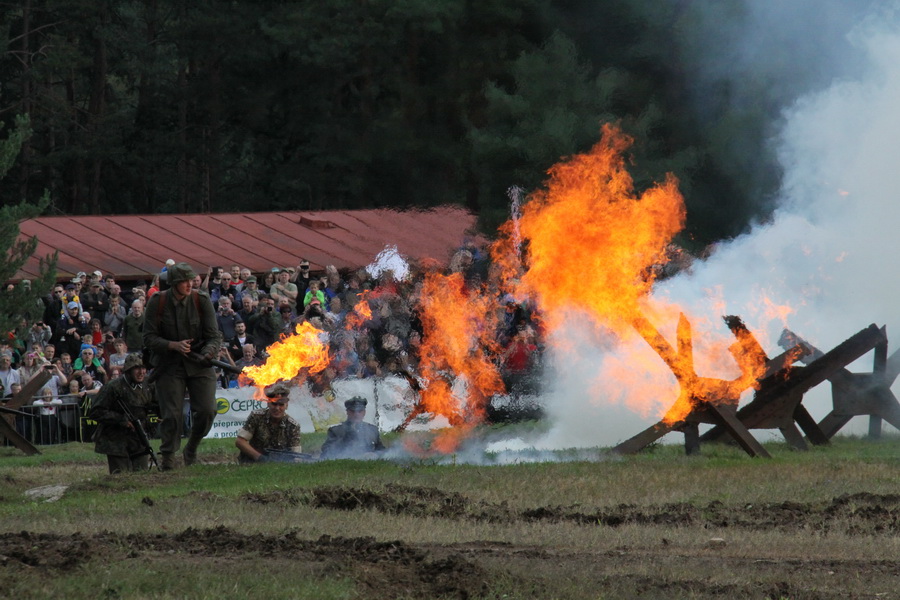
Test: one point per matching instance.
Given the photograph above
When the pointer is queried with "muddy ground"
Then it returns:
(396, 569)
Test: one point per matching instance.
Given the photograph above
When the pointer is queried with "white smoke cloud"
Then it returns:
(389, 260)
(829, 252)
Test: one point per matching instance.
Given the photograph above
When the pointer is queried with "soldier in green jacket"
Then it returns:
(116, 436)
(269, 429)
(181, 335)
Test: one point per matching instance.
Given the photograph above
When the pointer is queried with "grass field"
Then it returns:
(802, 525)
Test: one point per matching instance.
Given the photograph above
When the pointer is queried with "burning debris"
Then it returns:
(590, 243)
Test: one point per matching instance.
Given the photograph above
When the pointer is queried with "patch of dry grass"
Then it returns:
(620, 527)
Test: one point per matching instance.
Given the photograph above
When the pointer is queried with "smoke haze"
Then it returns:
(829, 251)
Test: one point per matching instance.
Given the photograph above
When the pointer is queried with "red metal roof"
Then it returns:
(135, 246)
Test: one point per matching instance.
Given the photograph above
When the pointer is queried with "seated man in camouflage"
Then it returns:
(353, 438)
(116, 436)
(269, 430)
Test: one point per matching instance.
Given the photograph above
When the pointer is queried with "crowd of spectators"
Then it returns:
(90, 324)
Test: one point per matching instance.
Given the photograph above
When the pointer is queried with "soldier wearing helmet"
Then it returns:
(116, 436)
(181, 334)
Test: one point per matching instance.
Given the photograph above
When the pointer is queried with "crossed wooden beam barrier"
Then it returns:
(777, 404)
(712, 401)
(780, 387)
(7, 422)
(859, 394)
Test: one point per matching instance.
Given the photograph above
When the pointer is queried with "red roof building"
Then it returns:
(136, 246)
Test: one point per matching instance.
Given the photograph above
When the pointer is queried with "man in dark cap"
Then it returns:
(95, 301)
(269, 429)
(181, 335)
(354, 438)
(116, 436)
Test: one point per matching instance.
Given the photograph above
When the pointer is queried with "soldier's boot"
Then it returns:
(190, 452)
(168, 461)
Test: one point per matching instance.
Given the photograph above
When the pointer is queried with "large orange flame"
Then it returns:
(459, 330)
(300, 354)
(592, 242)
(595, 245)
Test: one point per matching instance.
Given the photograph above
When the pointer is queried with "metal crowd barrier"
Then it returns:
(68, 424)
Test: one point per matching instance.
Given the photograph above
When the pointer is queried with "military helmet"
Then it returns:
(179, 272)
(132, 361)
(356, 403)
(278, 390)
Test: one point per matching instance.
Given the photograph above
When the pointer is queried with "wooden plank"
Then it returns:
(793, 437)
(813, 432)
(691, 439)
(740, 433)
(10, 433)
(832, 423)
(892, 367)
(29, 390)
(862, 394)
(874, 427)
(772, 403)
(785, 360)
(802, 379)
(643, 439)
(7, 427)
(890, 411)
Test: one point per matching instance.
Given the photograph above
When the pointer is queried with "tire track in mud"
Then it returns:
(396, 569)
(853, 514)
(383, 569)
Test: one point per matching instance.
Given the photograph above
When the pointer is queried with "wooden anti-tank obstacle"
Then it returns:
(712, 401)
(860, 394)
(7, 423)
(777, 402)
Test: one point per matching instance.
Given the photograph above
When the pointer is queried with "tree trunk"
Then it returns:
(97, 110)
(25, 151)
(143, 111)
(183, 167)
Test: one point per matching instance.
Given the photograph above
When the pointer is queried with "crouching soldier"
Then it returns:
(120, 409)
(354, 438)
(269, 433)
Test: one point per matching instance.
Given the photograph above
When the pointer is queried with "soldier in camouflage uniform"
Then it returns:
(354, 438)
(181, 334)
(269, 429)
(115, 435)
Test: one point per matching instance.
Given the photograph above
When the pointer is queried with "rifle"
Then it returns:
(199, 358)
(273, 455)
(140, 431)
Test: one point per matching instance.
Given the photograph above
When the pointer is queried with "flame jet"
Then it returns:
(593, 244)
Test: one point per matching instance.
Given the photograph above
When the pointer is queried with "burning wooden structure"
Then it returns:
(777, 403)
(859, 394)
(712, 401)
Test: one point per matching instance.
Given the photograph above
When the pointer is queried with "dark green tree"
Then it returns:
(20, 300)
(554, 108)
